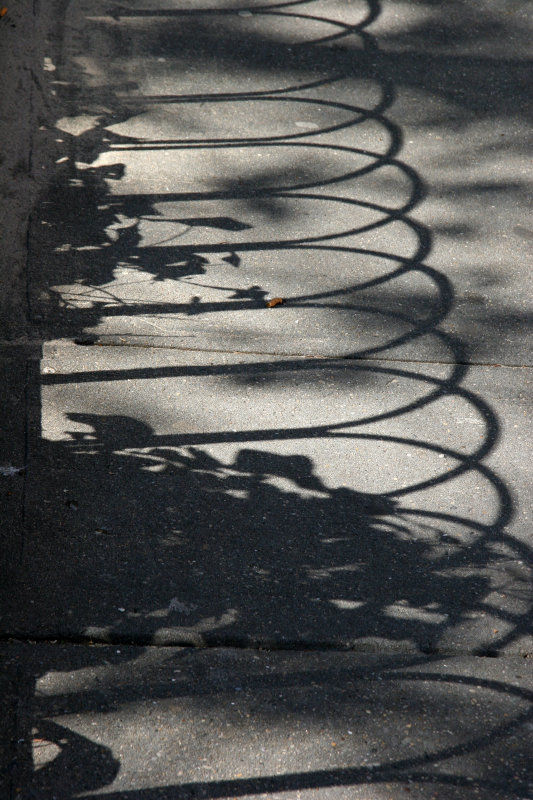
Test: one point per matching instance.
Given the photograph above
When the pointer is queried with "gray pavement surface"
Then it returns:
(125, 722)
(252, 550)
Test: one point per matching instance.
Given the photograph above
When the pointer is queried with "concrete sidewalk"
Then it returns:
(254, 548)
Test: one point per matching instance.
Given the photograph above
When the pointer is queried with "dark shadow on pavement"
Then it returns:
(138, 538)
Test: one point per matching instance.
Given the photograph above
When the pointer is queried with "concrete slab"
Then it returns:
(209, 158)
(19, 380)
(367, 163)
(20, 51)
(143, 723)
(200, 497)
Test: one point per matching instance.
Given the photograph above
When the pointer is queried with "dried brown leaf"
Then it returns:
(276, 301)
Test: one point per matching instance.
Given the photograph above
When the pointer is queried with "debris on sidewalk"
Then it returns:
(182, 608)
(276, 301)
(9, 471)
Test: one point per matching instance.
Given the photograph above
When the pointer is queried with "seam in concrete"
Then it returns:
(27, 378)
(263, 646)
(81, 342)
(34, 343)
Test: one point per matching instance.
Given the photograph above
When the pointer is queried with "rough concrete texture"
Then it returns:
(210, 160)
(19, 391)
(324, 503)
(17, 122)
(141, 723)
(184, 497)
